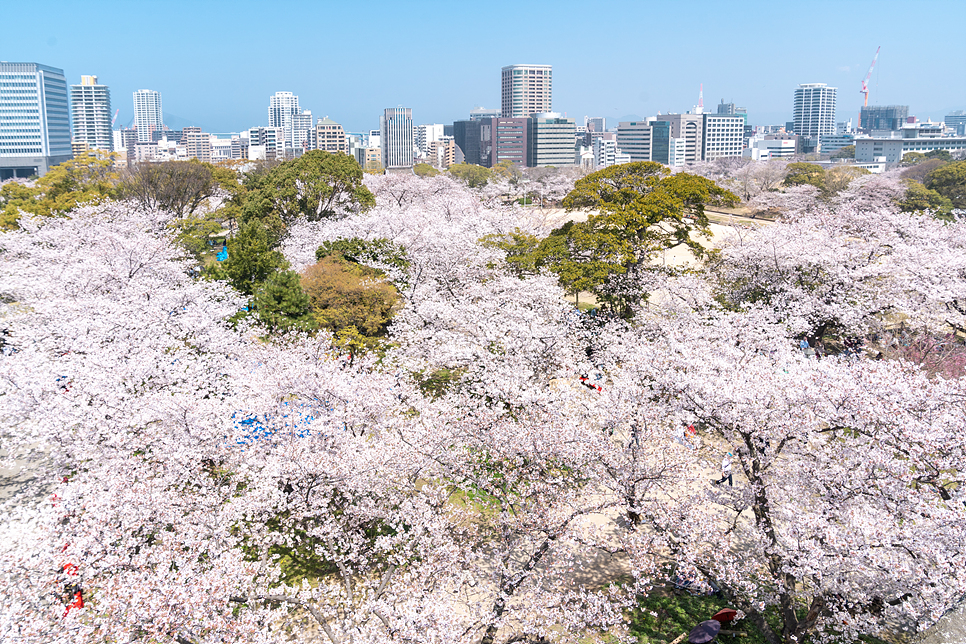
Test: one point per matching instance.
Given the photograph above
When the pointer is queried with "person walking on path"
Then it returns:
(725, 470)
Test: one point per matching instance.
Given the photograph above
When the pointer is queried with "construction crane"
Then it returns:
(115, 117)
(865, 83)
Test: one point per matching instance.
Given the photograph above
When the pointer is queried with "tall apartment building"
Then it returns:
(284, 112)
(148, 117)
(551, 139)
(330, 137)
(90, 110)
(196, 143)
(883, 117)
(526, 90)
(442, 152)
(814, 114)
(723, 136)
(301, 132)
(396, 137)
(34, 119)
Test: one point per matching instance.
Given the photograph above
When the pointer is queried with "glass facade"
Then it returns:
(34, 119)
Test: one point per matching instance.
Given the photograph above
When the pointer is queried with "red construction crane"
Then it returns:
(865, 83)
(115, 117)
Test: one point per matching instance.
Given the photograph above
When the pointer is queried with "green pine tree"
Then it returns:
(282, 305)
(251, 258)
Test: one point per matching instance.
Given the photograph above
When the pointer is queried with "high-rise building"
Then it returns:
(552, 140)
(957, 121)
(34, 119)
(302, 136)
(266, 143)
(330, 137)
(814, 113)
(90, 109)
(595, 123)
(281, 106)
(883, 117)
(526, 90)
(396, 136)
(148, 117)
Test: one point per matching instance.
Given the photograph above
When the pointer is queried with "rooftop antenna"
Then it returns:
(700, 109)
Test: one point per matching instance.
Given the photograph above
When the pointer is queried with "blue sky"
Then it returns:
(216, 63)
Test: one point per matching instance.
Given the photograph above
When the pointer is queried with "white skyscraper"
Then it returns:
(282, 106)
(814, 110)
(90, 108)
(147, 114)
(526, 90)
(396, 136)
(34, 120)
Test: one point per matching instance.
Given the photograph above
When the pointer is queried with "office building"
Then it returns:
(689, 127)
(635, 139)
(723, 136)
(551, 140)
(882, 117)
(814, 114)
(526, 90)
(771, 146)
(90, 110)
(909, 139)
(504, 139)
(330, 137)
(148, 117)
(956, 121)
(281, 107)
(34, 119)
(467, 136)
(396, 137)
(832, 143)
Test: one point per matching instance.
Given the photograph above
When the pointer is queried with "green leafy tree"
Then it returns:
(474, 176)
(942, 155)
(88, 178)
(919, 198)
(251, 258)
(282, 305)
(315, 186)
(912, 158)
(800, 174)
(848, 152)
(424, 170)
(838, 179)
(950, 182)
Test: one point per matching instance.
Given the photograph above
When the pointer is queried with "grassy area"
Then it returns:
(678, 614)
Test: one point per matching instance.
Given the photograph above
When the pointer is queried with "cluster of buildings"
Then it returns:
(44, 121)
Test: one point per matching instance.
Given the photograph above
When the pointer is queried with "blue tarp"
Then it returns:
(222, 254)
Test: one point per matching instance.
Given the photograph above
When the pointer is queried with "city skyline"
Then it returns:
(223, 88)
